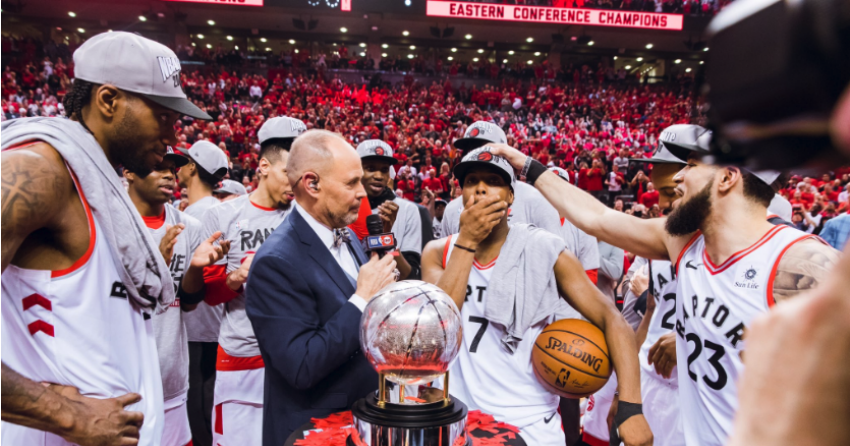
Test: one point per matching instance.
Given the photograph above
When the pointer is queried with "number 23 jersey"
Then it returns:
(715, 304)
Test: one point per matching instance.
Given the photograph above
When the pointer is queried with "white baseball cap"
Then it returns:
(376, 149)
(210, 157)
(480, 133)
(135, 64)
(281, 127)
(231, 187)
(483, 157)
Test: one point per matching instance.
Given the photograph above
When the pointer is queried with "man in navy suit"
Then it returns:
(308, 287)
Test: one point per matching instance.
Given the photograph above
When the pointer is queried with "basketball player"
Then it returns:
(81, 274)
(529, 205)
(400, 216)
(728, 258)
(486, 375)
(200, 176)
(246, 222)
(660, 391)
(187, 255)
(581, 245)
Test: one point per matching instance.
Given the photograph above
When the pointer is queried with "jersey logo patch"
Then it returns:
(747, 279)
(690, 265)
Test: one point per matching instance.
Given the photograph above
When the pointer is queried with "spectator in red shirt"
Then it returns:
(650, 197)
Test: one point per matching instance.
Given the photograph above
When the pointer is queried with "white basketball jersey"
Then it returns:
(485, 375)
(77, 327)
(663, 318)
(247, 226)
(716, 303)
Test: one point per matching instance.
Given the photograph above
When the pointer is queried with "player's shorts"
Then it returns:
(661, 410)
(238, 401)
(595, 419)
(545, 433)
(176, 430)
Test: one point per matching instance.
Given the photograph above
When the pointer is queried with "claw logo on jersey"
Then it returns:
(485, 156)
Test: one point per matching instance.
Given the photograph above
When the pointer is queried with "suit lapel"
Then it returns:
(320, 253)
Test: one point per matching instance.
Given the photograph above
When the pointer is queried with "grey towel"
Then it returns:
(523, 290)
(137, 258)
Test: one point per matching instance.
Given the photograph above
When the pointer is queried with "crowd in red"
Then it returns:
(590, 125)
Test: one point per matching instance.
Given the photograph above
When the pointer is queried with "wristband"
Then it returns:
(525, 167)
(625, 411)
(464, 248)
(534, 171)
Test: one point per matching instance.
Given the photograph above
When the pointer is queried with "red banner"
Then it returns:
(541, 14)
(224, 2)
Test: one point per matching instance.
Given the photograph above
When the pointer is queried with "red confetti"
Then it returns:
(335, 429)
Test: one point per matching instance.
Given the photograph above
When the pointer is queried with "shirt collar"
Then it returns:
(325, 233)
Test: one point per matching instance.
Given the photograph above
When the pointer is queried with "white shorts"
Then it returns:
(176, 431)
(543, 433)
(595, 419)
(238, 408)
(661, 410)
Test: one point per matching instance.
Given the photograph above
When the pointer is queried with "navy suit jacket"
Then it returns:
(308, 332)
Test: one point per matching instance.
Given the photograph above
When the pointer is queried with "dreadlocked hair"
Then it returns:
(77, 98)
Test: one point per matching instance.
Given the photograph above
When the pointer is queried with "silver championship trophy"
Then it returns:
(410, 332)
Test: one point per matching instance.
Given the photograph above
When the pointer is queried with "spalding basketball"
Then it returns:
(571, 358)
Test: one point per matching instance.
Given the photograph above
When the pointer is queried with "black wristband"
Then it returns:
(534, 171)
(625, 411)
(464, 248)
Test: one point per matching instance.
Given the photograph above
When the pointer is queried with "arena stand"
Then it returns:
(584, 119)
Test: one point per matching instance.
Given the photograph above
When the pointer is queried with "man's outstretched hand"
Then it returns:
(208, 252)
(514, 156)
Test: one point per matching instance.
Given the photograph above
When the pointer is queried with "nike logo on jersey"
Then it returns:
(547, 420)
(690, 265)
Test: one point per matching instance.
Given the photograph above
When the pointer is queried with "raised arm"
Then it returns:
(582, 295)
(646, 238)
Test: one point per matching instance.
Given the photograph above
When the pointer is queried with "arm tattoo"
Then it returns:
(803, 267)
(31, 184)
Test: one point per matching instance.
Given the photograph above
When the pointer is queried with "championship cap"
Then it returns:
(480, 133)
(375, 148)
(693, 138)
(231, 187)
(135, 64)
(281, 127)
(483, 157)
(683, 133)
(209, 157)
(561, 173)
(440, 201)
(179, 159)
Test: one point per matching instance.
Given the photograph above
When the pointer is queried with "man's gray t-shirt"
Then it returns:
(203, 324)
(407, 228)
(169, 329)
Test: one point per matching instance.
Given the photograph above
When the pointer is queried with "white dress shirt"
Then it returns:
(341, 254)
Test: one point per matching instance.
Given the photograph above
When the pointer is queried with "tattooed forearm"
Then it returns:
(804, 266)
(31, 186)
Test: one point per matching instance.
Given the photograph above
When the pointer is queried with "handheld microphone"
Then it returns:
(378, 240)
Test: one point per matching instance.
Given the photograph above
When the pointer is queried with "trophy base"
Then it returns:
(439, 423)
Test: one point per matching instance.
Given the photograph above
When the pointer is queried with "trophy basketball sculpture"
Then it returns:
(411, 332)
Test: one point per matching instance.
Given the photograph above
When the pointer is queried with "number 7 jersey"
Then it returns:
(715, 304)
